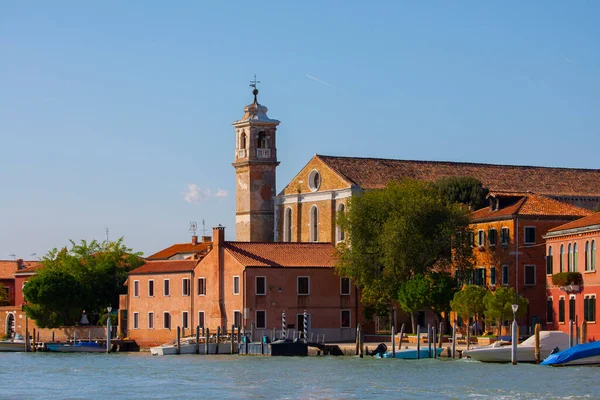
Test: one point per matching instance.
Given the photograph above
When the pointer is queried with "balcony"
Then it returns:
(263, 153)
(568, 281)
(241, 153)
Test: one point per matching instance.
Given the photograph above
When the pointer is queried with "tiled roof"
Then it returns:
(30, 267)
(532, 204)
(8, 268)
(590, 220)
(165, 267)
(179, 248)
(376, 173)
(255, 254)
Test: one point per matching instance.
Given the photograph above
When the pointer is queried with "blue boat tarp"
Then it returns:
(574, 353)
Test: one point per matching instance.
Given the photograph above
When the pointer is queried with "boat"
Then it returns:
(81, 347)
(501, 351)
(411, 354)
(12, 345)
(187, 346)
(582, 354)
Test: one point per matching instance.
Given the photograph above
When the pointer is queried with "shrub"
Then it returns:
(566, 278)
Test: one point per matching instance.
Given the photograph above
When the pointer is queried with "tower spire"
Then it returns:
(255, 91)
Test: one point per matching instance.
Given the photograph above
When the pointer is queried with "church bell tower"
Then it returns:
(255, 163)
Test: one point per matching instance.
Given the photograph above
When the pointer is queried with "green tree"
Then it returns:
(4, 300)
(468, 302)
(398, 232)
(463, 189)
(442, 290)
(498, 305)
(89, 276)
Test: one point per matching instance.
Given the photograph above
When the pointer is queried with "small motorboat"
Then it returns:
(81, 347)
(582, 354)
(187, 346)
(501, 351)
(411, 354)
(12, 345)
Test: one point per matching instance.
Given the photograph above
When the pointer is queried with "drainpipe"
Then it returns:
(517, 255)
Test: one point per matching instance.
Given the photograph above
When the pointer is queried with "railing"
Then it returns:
(242, 153)
(263, 153)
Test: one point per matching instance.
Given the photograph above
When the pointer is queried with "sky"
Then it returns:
(118, 114)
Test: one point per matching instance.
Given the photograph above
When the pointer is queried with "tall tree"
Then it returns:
(89, 276)
(498, 305)
(463, 189)
(469, 302)
(396, 233)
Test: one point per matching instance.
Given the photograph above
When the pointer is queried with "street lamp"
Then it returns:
(515, 308)
(108, 309)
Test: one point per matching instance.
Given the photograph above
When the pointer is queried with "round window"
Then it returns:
(314, 180)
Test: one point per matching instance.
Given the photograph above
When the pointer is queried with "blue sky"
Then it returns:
(109, 111)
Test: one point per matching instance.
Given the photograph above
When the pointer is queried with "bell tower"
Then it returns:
(255, 163)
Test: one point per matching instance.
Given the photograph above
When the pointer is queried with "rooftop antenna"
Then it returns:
(107, 234)
(203, 228)
(193, 227)
(33, 255)
(13, 255)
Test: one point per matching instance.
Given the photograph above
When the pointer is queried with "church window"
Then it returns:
(262, 140)
(243, 140)
(340, 235)
(287, 225)
(314, 180)
(314, 224)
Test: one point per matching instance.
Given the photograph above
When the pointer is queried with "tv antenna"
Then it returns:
(33, 255)
(193, 227)
(203, 228)
(107, 234)
(13, 255)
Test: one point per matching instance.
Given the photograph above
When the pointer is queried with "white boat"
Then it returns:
(188, 346)
(12, 345)
(501, 351)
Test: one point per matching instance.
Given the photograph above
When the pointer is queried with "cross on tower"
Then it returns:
(253, 85)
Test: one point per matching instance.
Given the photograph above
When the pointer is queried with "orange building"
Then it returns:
(510, 250)
(572, 280)
(246, 284)
(13, 276)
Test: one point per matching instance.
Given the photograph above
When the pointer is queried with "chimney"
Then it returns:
(218, 235)
(206, 239)
(194, 240)
(20, 264)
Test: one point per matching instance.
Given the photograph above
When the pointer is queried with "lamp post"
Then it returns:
(108, 309)
(515, 308)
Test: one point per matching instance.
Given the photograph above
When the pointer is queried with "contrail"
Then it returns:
(318, 80)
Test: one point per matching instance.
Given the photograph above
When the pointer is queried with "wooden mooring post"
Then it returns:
(441, 334)
(434, 342)
(418, 342)
(197, 339)
(536, 349)
(401, 337)
(218, 340)
(584, 332)
(362, 344)
(232, 337)
(393, 341)
(357, 339)
(429, 340)
(454, 340)
(34, 346)
(178, 351)
(206, 340)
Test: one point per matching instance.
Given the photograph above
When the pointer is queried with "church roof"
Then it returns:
(376, 173)
(253, 254)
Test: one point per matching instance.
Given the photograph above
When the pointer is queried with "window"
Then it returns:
(529, 234)
(185, 286)
(184, 320)
(201, 286)
(287, 225)
(593, 264)
(261, 140)
(549, 261)
(237, 319)
(167, 287)
(561, 310)
(492, 237)
(314, 180)
(303, 286)
(587, 256)
(345, 286)
(261, 319)
(589, 308)
(505, 275)
(243, 140)
(314, 224)
(345, 322)
(562, 258)
(261, 285)
(549, 311)
(201, 319)
(136, 288)
(150, 320)
(570, 259)
(236, 285)
(136, 320)
(492, 275)
(575, 262)
(340, 235)
(471, 238)
(481, 238)
(504, 237)
(151, 288)
(572, 309)
(480, 276)
(530, 275)
(166, 320)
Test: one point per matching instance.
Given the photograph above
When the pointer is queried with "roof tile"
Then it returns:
(261, 254)
(165, 267)
(590, 220)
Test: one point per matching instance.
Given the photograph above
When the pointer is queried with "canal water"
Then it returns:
(141, 376)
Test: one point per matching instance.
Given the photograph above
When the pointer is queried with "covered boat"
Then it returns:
(582, 354)
(501, 351)
(81, 347)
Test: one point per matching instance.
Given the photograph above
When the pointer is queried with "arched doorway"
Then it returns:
(10, 324)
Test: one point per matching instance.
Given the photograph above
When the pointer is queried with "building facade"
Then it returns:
(572, 280)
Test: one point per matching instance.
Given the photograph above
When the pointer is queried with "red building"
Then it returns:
(13, 276)
(572, 280)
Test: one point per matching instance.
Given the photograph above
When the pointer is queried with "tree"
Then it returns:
(463, 189)
(427, 292)
(469, 302)
(89, 276)
(399, 232)
(4, 300)
(498, 305)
